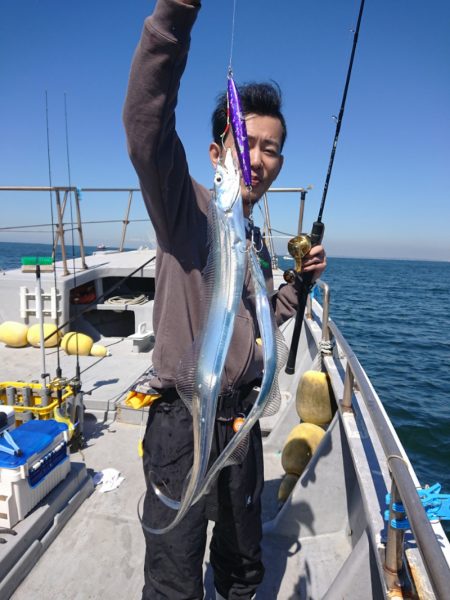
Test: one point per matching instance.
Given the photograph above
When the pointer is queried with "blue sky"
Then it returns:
(389, 193)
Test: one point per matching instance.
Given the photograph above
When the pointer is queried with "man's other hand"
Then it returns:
(315, 261)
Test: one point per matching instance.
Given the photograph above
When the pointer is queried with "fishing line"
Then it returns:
(78, 373)
(50, 183)
(235, 119)
(304, 281)
(230, 74)
(233, 21)
(223, 135)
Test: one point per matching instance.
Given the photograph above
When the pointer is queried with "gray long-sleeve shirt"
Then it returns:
(178, 206)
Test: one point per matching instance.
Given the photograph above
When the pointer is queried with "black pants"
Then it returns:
(174, 561)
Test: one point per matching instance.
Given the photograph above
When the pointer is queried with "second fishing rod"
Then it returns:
(300, 245)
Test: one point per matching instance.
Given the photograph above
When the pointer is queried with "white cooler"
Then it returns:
(27, 476)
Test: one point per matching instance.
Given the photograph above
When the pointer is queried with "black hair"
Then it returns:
(258, 98)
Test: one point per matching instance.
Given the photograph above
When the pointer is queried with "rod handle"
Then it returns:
(303, 284)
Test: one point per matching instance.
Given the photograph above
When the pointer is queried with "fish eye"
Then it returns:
(218, 179)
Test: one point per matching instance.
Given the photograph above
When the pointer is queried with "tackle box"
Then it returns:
(28, 475)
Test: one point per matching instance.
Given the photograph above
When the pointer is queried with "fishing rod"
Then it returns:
(77, 368)
(300, 245)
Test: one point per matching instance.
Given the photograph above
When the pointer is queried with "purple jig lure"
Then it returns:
(239, 129)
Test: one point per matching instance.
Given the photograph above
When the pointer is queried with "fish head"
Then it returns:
(227, 184)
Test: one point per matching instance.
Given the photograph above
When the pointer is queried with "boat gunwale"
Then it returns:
(430, 548)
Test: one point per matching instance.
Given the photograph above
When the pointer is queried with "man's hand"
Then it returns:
(315, 261)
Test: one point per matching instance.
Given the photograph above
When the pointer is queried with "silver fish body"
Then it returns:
(199, 383)
(267, 402)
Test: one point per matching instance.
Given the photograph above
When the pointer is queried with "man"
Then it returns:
(178, 208)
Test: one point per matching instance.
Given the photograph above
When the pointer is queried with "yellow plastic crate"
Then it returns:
(55, 409)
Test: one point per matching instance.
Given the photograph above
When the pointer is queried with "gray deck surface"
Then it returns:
(100, 552)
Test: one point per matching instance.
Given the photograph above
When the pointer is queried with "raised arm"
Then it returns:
(149, 114)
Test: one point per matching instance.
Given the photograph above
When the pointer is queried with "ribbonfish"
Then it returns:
(199, 381)
(267, 402)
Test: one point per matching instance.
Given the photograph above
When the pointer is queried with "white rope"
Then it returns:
(127, 299)
(326, 347)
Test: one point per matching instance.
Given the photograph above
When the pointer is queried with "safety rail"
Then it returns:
(62, 195)
(403, 488)
(61, 205)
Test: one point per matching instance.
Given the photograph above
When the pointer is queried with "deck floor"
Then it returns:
(100, 552)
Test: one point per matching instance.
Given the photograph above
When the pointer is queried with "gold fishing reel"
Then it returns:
(298, 247)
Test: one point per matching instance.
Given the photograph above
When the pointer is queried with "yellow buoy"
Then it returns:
(300, 445)
(77, 343)
(34, 335)
(286, 486)
(99, 351)
(313, 399)
(13, 334)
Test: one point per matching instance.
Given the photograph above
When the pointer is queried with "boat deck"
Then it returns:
(102, 545)
(100, 552)
(329, 534)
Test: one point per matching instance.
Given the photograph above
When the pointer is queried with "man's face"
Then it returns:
(264, 138)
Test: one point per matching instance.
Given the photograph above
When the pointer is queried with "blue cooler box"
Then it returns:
(27, 477)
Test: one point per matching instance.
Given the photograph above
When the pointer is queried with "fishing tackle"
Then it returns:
(239, 129)
(236, 119)
(304, 282)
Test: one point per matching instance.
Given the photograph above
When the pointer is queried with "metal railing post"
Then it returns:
(268, 233)
(326, 311)
(308, 311)
(393, 564)
(80, 229)
(349, 383)
(301, 211)
(126, 221)
(60, 233)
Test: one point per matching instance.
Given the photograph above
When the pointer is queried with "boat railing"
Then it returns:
(403, 487)
(62, 194)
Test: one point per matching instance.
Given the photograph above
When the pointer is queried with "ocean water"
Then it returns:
(396, 316)
(12, 253)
